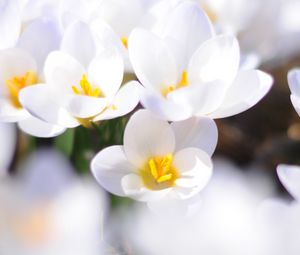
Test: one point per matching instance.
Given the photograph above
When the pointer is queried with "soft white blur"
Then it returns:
(225, 223)
(47, 209)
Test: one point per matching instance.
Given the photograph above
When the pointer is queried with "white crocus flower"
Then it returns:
(75, 95)
(187, 71)
(294, 84)
(22, 67)
(19, 70)
(158, 160)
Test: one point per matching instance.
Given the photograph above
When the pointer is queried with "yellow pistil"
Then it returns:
(86, 88)
(159, 173)
(16, 83)
(124, 41)
(182, 83)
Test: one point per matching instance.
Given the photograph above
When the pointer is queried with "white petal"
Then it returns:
(39, 38)
(152, 60)
(294, 81)
(249, 87)
(9, 113)
(124, 102)
(164, 108)
(10, 23)
(35, 127)
(216, 59)
(39, 101)
(146, 136)
(85, 106)
(189, 26)
(78, 41)
(62, 72)
(201, 133)
(109, 166)
(296, 103)
(15, 62)
(202, 99)
(290, 178)
(106, 71)
(195, 167)
(133, 187)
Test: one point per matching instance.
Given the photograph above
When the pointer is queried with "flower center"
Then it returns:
(182, 83)
(86, 88)
(159, 173)
(124, 41)
(16, 83)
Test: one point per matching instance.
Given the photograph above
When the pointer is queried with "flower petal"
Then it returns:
(9, 113)
(62, 72)
(195, 167)
(10, 23)
(133, 187)
(125, 101)
(296, 103)
(146, 136)
(8, 138)
(294, 81)
(201, 133)
(164, 108)
(85, 106)
(216, 59)
(109, 166)
(39, 38)
(290, 178)
(106, 71)
(249, 87)
(202, 99)
(156, 66)
(39, 101)
(189, 26)
(38, 128)
(83, 51)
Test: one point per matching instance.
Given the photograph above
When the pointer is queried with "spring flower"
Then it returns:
(158, 160)
(188, 71)
(19, 70)
(74, 95)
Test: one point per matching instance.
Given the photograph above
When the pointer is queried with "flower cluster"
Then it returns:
(63, 65)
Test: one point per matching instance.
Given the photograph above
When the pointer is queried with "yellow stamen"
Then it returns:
(124, 41)
(86, 88)
(16, 83)
(159, 173)
(182, 83)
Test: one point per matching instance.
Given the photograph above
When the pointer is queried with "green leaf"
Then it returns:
(65, 142)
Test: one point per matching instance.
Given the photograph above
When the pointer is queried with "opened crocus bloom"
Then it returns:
(188, 71)
(158, 160)
(74, 95)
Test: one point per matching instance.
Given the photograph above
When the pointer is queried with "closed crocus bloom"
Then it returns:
(188, 71)
(294, 84)
(158, 160)
(76, 95)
